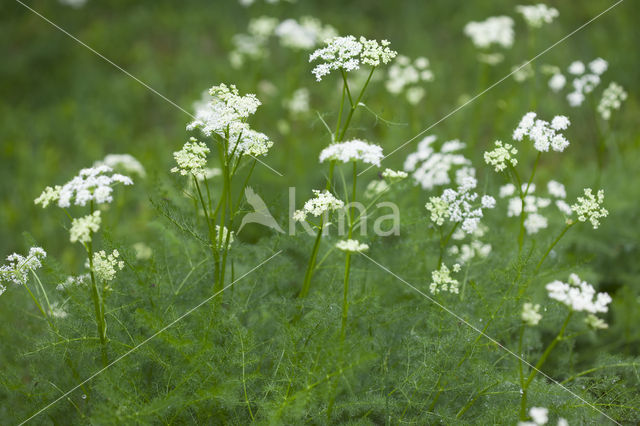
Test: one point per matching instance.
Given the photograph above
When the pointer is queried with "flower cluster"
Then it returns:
(544, 135)
(82, 228)
(431, 168)
(106, 266)
(612, 99)
(244, 140)
(530, 314)
(441, 280)
(298, 103)
(73, 281)
(466, 252)
(493, 30)
(538, 14)
(533, 204)
(322, 202)
(590, 207)
(226, 106)
(304, 34)
(460, 205)
(501, 156)
(405, 76)
(394, 175)
(578, 295)
(352, 246)
(92, 184)
(18, 268)
(347, 53)
(354, 150)
(123, 162)
(586, 79)
(192, 158)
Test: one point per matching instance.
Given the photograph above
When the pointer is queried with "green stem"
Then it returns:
(523, 195)
(553, 244)
(539, 364)
(444, 242)
(354, 106)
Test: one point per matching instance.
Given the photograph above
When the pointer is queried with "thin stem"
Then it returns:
(354, 106)
(523, 195)
(553, 244)
(445, 241)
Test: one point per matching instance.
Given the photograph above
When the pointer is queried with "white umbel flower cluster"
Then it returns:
(466, 252)
(92, 184)
(441, 280)
(406, 76)
(354, 150)
(540, 416)
(585, 82)
(460, 205)
(394, 175)
(578, 295)
(543, 134)
(612, 99)
(192, 158)
(537, 15)
(348, 53)
(352, 246)
(502, 156)
(430, 168)
(123, 162)
(298, 103)
(18, 268)
(493, 30)
(106, 266)
(533, 204)
(531, 314)
(303, 35)
(83, 227)
(323, 201)
(590, 207)
(73, 281)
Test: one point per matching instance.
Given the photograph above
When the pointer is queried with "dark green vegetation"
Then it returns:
(254, 357)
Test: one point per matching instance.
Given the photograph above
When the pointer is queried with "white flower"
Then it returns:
(375, 187)
(442, 280)
(557, 82)
(405, 76)
(459, 206)
(91, 184)
(354, 150)
(598, 66)
(18, 268)
(82, 228)
(530, 314)
(306, 34)
(244, 140)
(321, 203)
(192, 158)
(124, 162)
(106, 266)
(543, 134)
(227, 106)
(612, 98)
(298, 104)
(556, 189)
(501, 156)
(564, 207)
(507, 190)
(539, 415)
(143, 251)
(534, 222)
(431, 168)
(347, 53)
(589, 207)
(352, 246)
(393, 175)
(72, 281)
(578, 295)
(576, 68)
(595, 323)
(537, 15)
(493, 30)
